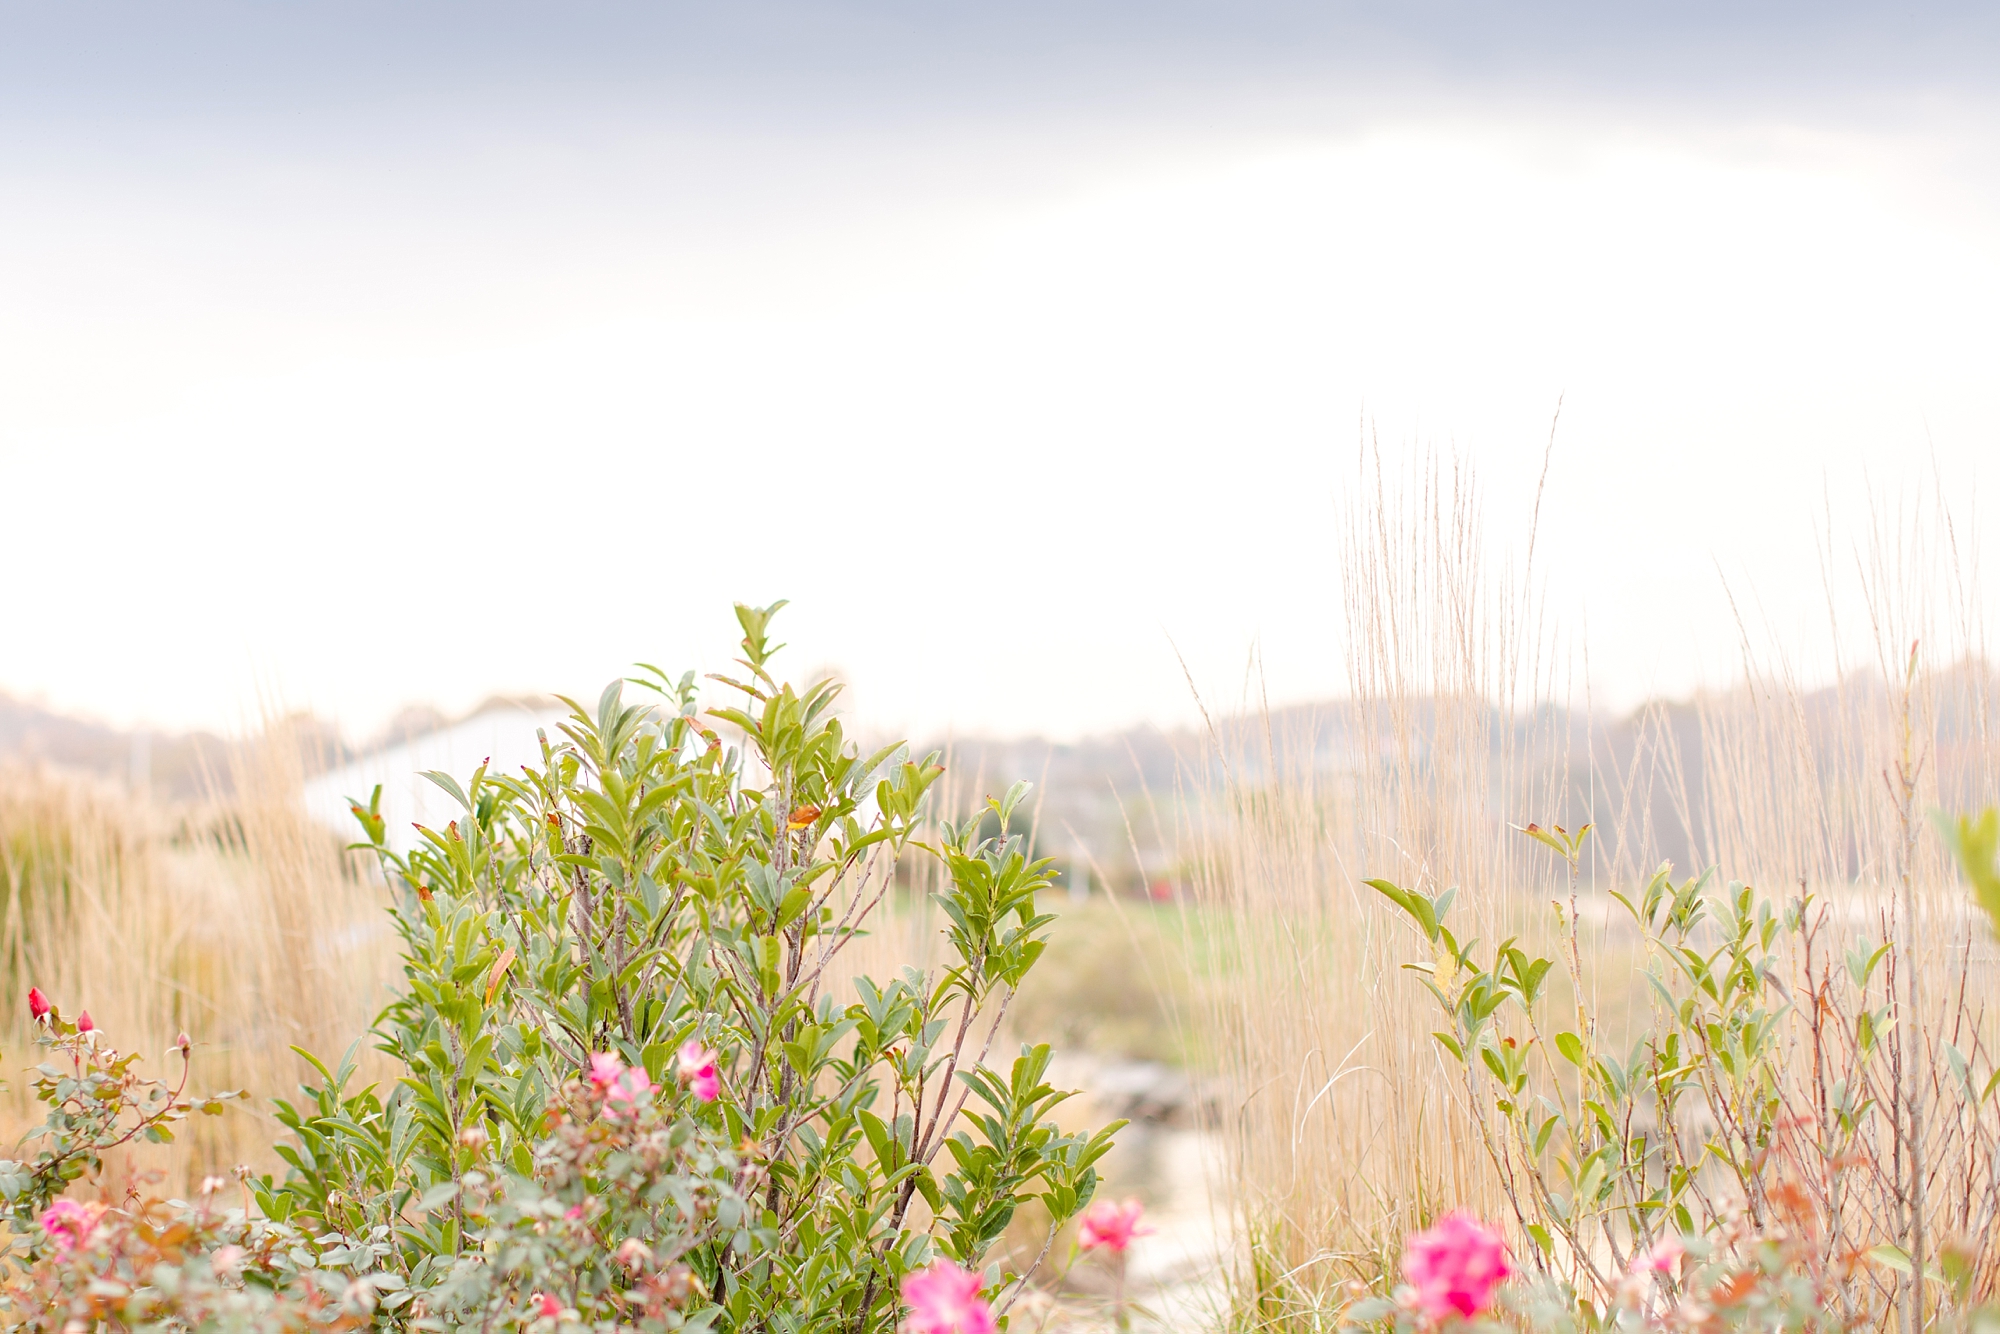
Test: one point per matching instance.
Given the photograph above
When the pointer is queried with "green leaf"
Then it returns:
(437, 1197)
(450, 785)
(1416, 905)
(1976, 843)
(1368, 1311)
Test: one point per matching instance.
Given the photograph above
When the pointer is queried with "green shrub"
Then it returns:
(1741, 1164)
(654, 895)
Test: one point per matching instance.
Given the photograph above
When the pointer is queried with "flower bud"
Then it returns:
(83, 1022)
(38, 1004)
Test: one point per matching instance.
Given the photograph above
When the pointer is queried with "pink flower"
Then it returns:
(38, 1004)
(629, 1087)
(574, 1212)
(944, 1299)
(1666, 1253)
(69, 1224)
(546, 1306)
(618, 1083)
(696, 1066)
(1112, 1225)
(83, 1024)
(1454, 1267)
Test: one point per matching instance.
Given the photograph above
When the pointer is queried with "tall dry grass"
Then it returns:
(1342, 1128)
(1339, 1125)
(235, 920)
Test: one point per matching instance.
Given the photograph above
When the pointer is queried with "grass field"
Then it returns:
(237, 922)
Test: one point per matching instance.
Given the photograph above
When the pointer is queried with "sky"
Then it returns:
(360, 355)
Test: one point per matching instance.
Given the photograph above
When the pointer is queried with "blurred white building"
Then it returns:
(503, 735)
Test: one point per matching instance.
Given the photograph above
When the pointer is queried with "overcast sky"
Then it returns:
(365, 354)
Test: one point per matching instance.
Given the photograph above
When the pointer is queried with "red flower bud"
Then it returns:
(38, 1004)
(83, 1024)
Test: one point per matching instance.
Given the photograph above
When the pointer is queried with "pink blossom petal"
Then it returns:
(1454, 1267)
(1664, 1255)
(70, 1223)
(1112, 1226)
(944, 1299)
(693, 1060)
(629, 1087)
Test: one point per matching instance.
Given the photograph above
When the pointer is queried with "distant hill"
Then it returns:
(175, 766)
(1665, 779)
(180, 766)
(1681, 781)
